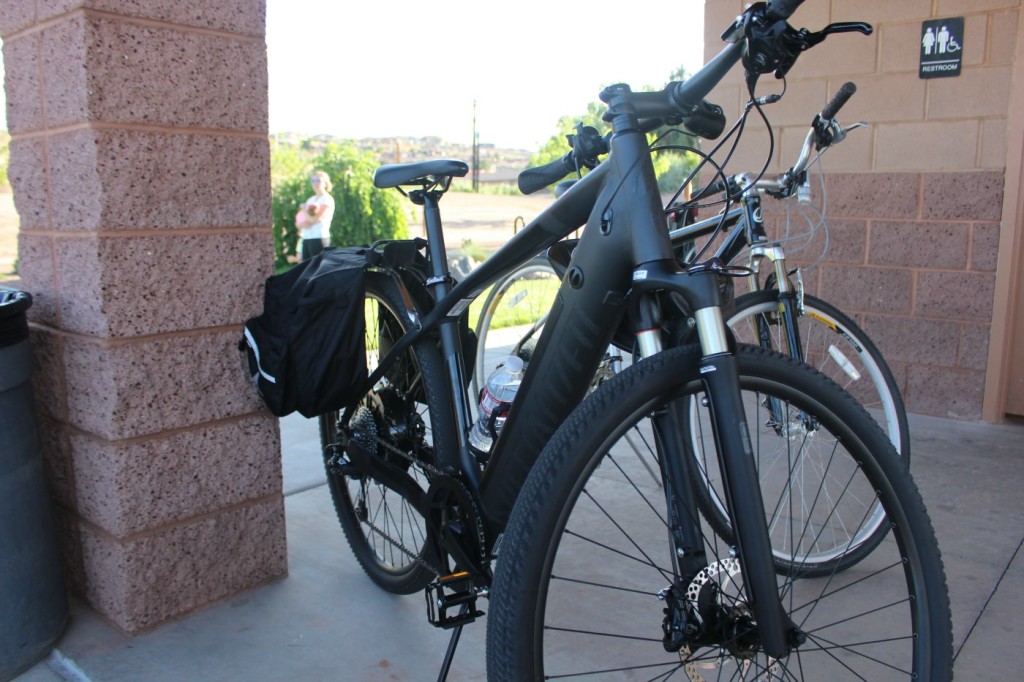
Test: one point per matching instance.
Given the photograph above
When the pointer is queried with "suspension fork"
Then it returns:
(720, 378)
(789, 308)
(669, 430)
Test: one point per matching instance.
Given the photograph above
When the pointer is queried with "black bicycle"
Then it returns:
(591, 566)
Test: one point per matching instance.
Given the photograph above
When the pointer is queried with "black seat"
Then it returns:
(422, 173)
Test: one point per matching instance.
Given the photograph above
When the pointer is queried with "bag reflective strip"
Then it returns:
(256, 351)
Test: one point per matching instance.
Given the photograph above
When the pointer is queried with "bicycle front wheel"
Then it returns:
(402, 420)
(587, 581)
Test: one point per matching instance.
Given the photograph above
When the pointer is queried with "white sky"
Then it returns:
(414, 68)
(402, 68)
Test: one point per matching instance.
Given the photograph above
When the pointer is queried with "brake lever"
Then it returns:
(812, 39)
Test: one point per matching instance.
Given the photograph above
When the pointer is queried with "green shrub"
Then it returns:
(362, 214)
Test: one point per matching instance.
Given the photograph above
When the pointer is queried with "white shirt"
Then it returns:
(322, 228)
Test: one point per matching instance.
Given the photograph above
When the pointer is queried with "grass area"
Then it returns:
(523, 303)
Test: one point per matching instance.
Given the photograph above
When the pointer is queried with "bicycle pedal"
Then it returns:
(449, 592)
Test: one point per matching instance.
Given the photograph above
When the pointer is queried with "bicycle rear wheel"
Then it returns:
(587, 580)
(512, 316)
(402, 420)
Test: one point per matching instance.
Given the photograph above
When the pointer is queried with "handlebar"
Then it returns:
(825, 131)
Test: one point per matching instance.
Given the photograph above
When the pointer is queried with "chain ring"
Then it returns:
(447, 493)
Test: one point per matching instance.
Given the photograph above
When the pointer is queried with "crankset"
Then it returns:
(457, 530)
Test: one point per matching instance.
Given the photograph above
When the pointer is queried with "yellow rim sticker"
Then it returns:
(823, 320)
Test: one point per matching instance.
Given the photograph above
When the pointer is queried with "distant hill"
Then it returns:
(496, 164)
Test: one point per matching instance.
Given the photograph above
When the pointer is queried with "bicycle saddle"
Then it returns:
(419, 173)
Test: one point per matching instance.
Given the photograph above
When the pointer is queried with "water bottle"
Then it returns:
(495, 400)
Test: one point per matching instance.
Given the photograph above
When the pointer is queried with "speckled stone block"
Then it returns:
(844, 241)
(955, 295)
(16, 15)
(873, 195)
(919, 244)
(856, 289)
(984, 247)
(124, 390)
(21, 83)
(147, 74)
(127, 487)
(65, 91)
(974, 346)
(108, 179)
(963, 196)
(245, 17)
(48, 373)
(949, 393)
(26, 172)
(916, 341)
(141, 581)
(36, 268)
(143, 285)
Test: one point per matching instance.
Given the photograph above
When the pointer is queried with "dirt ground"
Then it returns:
(488, 220)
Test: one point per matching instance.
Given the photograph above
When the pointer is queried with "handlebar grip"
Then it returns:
(534, 179)
(838, 100)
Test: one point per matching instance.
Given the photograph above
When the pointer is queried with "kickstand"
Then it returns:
(452, 643)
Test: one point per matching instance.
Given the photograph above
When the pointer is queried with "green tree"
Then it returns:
(671, 166)
(362, 213)
(5, 143)
(287, 160)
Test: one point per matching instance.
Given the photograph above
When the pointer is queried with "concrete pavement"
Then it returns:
(326, 620)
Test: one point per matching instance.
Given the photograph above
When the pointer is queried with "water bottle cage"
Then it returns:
(492, 421)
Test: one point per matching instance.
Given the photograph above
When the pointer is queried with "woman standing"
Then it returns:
(315, 230)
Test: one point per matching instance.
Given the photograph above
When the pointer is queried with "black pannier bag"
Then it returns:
(307, 351)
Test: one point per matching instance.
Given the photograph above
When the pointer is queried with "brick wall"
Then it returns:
(915, 200)
(140, 169)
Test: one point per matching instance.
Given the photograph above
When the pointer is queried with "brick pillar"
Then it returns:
(140, 170)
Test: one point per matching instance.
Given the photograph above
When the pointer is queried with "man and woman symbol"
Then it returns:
(939, 43)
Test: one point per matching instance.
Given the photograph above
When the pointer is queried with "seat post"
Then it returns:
(440, 284)
(440, 280)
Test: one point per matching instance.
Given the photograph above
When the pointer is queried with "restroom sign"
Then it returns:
(942, 47)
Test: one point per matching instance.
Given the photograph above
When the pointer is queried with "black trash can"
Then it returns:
(33, 603)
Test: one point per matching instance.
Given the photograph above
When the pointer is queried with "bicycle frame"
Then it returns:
(623, 260)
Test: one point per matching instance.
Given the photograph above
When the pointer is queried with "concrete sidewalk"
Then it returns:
(327, 621)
